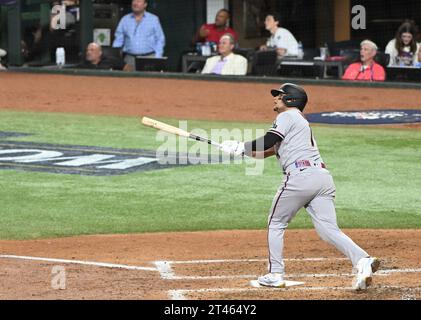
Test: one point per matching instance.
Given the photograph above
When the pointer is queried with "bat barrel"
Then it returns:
(174, 130)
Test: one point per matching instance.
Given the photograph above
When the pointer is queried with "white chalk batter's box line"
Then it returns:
(247, 260)
(166, 271)
(181, 293)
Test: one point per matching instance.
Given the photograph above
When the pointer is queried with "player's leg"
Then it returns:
(287, 201)
(323, 214)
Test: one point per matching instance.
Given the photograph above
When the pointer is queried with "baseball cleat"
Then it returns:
(272, 280)
(365, 269)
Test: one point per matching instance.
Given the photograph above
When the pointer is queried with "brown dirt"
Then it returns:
(23, 279)
(185, 99)
(182, 99)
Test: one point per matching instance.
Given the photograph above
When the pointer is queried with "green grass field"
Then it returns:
(377, 174)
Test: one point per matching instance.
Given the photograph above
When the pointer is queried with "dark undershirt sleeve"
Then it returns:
(263, 143)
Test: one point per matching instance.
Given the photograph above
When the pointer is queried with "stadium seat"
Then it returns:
(264, 63)
(247, 53)
(335, 48)
(382, 58)
(111, 53)
(310, 53)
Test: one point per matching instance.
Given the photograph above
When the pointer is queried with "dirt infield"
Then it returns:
(207, 265)
(196, 265)
(182, 99)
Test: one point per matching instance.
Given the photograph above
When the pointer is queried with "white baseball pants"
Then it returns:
(312, 188)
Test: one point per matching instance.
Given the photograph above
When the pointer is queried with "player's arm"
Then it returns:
(201, 34)
(262, 147)
(263, 154)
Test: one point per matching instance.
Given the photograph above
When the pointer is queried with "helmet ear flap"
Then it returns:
(288, 100)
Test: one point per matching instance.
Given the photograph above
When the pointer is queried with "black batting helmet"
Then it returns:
(294, 96)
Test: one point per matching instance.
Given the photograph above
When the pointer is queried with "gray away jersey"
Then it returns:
(298, 141)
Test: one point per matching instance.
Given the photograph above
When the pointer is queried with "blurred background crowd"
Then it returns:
(311, 38)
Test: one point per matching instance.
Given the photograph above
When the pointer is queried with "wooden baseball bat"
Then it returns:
(177, 131)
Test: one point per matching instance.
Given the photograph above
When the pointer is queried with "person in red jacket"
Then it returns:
(367, 69)
(212, 32)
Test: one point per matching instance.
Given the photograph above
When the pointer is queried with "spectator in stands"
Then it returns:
(36, 42)
(404, 49)
(94, 59)
(367, 69)
(139, 34)
(419, 59)
(281, 39)
(213, 32)
(3, 53)
(226, 63)
(40, 40)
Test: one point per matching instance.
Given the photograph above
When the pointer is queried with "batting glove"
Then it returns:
(233, 147)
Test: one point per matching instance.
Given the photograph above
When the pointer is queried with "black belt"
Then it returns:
(139, 55)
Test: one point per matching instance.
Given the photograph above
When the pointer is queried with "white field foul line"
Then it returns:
(86, 263)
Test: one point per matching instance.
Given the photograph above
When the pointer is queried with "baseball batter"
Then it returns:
(307, 183)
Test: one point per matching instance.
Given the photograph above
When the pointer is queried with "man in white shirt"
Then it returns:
(281, 39)
(226, 63)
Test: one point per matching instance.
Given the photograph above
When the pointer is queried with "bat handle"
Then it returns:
(208, 141)
(215, 144)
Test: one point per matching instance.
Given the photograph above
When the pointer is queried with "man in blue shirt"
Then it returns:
(139, 34)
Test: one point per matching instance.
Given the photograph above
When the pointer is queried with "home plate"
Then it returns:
(255, 284)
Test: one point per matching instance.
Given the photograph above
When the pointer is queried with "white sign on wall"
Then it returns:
(102, 36)
(212, 7)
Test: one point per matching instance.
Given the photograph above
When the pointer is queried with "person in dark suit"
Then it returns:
(94, 59)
